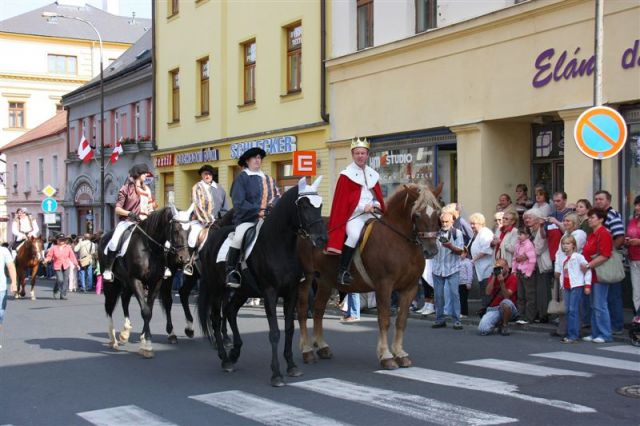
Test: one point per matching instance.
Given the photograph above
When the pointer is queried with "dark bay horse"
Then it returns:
(393, 259)
(275, 267)
(140, 271)
(28, 258)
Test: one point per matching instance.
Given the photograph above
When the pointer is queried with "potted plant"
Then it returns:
(145, 143)
(129, 145)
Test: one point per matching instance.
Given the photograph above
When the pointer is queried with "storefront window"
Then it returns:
(409, 165)
(547, 168)
(631, 164)
(285, 178)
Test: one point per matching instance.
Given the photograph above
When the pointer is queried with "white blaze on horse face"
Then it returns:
(429, 210)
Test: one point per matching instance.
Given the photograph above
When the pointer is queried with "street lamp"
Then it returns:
(50, 16)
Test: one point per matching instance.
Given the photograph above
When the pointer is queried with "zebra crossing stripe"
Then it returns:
(416, 406)
(599, 361)
(482, 385)
(262, 410)
(523, 368)
(124, 415)
(633, 350)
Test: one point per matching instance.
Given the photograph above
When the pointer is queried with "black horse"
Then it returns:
(140, 271)
(273, 271)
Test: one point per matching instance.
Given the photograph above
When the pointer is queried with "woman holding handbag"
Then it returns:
(598, 249)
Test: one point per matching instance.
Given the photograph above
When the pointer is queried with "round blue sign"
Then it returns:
(49, 205)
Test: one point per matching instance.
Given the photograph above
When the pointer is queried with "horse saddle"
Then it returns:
(123, 243)
(203, 235)
(366, 233)
(248, 242)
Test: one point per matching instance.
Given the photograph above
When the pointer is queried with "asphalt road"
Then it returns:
(55, 369)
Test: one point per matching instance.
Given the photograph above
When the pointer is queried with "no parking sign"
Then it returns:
(600, 132)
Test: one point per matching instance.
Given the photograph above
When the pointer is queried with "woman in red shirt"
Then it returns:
(632, 241)
(597, 250)
(63, 257)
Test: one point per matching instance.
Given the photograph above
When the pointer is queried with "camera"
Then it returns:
(443, 239)
(497, 270)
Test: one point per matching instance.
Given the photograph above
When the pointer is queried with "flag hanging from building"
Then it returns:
(85, 153)
(117, 150)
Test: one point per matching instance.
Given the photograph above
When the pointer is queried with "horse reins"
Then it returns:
(171, 249)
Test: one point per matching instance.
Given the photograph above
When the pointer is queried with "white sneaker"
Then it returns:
(428, 309)
(598, 340)
(587, 339)
(522, 322)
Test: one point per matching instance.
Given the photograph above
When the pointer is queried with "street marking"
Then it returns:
(124, 415)
(523, 368)
(597, 361)
(262, 410)
(416, 406)
(478, 384)
(623, 349)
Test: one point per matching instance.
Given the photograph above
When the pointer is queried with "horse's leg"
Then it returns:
(21, 282)
(187, 285)
(270, 304)
(319, 307)
(216, 321)
(146, 306)
(32, 281)
(231, 315)
(383, 299)
(303, 305)
(167, 303)
(404, 301)
(125, 333)
(110, 300)
(289, 327)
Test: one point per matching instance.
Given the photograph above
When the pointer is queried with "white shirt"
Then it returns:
(27, 226)
(367, 179)
(482, 244)
(576, 277)
(5, 258)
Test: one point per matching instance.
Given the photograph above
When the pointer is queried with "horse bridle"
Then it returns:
(172, 248)
(302, 232)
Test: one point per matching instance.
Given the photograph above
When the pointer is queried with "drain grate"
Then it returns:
(632, 391)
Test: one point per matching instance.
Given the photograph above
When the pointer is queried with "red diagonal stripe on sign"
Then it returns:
(602, 134)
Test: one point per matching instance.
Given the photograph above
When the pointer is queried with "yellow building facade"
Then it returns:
(249, 75)
(491, 102)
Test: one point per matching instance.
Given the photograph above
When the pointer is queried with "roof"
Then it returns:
(52, 126)
(112, 28)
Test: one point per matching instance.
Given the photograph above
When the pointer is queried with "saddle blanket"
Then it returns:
(125, 243)
(224, 249)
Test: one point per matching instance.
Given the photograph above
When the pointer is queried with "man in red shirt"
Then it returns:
(501, 290)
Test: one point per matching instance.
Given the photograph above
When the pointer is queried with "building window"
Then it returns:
(15, 177)
(249, 49)
(61, 64)
(59, 107)
(426, 15)
(16, 115)
(174, 7)
(27, 176)
(294, 58)
(136, 122)
(365, 24)
(284, 176)
(116, 127)
(175, 95)
(547, 166)
(203, 66)
(54, 171)
(40, 173)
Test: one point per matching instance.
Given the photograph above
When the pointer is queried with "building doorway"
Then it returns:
(547, 167)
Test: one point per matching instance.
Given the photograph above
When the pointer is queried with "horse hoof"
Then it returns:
(227, 367)
(227, 343)
(388, 364)
(294, 372)
(403, 362)
(146, 353)
(277, 382)
(173, 339)
(123, 340)
(33, 295)
(114, 346)
(309, 358)
(16, 296)
(189, 333)
(325, 353)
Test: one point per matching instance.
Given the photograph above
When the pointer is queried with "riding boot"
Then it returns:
(233, 275)
(107, 274)
(344, 277)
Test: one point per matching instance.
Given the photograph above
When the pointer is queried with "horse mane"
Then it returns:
(156, 223)
(425, 197)
(286, 201)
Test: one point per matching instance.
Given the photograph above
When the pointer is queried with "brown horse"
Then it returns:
(393, 259)
(27, 260)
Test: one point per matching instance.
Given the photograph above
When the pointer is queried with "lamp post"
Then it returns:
(53, 15)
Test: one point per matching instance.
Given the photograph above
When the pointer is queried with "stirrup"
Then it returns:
(167, 273)
(233, 279)
(344, 278)
(188, 269)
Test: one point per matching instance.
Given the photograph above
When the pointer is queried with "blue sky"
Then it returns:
(9, 8)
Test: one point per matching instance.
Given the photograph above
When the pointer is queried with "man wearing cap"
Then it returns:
(253, 194)
(209, 202)
(356, 195)
(23, 226)
(135, 203)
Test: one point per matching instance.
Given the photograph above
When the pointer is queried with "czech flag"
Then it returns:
(85, 153)
(115, 154)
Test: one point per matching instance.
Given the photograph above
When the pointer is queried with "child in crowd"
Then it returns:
(466, 278)
(524, 263)
(574, 282)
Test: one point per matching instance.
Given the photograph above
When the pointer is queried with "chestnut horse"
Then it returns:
(28, 259)
(393, 259)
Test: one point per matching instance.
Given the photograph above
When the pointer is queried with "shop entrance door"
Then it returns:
(547, 167)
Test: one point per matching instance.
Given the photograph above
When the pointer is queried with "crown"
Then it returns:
(359, 143)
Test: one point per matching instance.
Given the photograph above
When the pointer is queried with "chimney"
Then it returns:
(111, 6)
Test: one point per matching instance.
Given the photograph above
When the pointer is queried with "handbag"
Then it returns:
(556, 306)
(611, 271)
(86, 261)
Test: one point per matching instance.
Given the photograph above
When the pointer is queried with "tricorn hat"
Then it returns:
(140, 169)
(250, 153)
(207, 168)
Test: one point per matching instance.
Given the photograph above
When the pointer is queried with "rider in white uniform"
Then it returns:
(23, 227)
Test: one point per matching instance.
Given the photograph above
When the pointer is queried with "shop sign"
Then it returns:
(84, 194)
(304, 163)
(568, 65)
(164, 160)
(276, 145)
(204, 155)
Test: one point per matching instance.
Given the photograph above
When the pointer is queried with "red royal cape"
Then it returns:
(345, 201)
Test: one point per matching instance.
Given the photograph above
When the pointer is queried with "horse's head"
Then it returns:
(309, 208)
(176, 241)
(425, 217)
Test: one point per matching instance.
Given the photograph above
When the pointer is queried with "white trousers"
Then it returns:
(354, 228)
(236, 237)
(196, 227)
(635, 283)
(117, 233)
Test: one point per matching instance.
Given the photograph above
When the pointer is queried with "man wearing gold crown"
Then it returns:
(356, 195)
